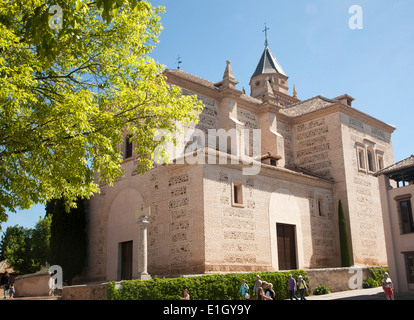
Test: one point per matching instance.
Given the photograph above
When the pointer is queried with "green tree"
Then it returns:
(40, 241)
(68, 241)
(27, 250)
(15, 248)
(346, 260)
(68, 96)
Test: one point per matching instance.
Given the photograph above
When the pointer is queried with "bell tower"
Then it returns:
(268, 72)
(269, 81)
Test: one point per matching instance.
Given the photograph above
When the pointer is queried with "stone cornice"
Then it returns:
(340, 107)
(234, 162)
(284, 174)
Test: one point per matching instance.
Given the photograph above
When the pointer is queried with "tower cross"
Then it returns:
(265, 31)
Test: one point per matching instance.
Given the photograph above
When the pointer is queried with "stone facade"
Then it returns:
(213, 216)
(397, 191)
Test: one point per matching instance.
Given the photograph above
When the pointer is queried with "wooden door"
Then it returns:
(126, 260)
(286, 246)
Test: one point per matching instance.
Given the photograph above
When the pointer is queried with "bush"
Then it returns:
(377, 273)
(320, 290)
(370, 283)
(375, 280)
(206, 287)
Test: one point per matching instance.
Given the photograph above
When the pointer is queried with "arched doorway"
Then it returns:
(123, 237)
(285, 230)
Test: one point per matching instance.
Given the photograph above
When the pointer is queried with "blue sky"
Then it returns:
(313, 43)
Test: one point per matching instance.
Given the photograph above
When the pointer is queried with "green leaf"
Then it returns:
(65, 92)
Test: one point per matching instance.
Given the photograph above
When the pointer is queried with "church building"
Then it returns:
(211, 217)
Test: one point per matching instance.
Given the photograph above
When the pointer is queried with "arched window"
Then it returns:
(361, 158)
(380, 163)
(370, 156)
(128, 147)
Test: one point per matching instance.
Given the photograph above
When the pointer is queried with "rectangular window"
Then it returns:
(406, 216)
(361, 159)
(409, 266)
(237, 193)
(320, 208)
(128, 147)
(370, 156)
(380, 163)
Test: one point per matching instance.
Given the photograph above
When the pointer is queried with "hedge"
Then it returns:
(375, 278)
(205, 287)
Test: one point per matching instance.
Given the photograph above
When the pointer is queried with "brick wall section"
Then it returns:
(336, 279)
(85, 292)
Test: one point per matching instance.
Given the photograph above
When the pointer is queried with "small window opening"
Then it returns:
(320, 208)
(370, 161)
(237, 193)
(361, 159)
(380, 162)
(128, 147)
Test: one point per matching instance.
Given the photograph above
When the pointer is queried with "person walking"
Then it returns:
(261, 292)
(12, 291)
(302, 287)
(388, 287)
(257, 285)
(5, 283)
(270, 292)
(244, 290)
(292, 288)
(186, 295)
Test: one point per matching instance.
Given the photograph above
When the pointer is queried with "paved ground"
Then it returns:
(29, 298)
(363, 294)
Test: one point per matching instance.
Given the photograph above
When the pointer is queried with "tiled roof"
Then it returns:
(4, 266)
(307, 106)
(187, 76)
(190, 77)
(402, 165)
(268, 64)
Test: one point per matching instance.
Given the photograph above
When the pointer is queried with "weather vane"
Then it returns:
(179, 62)
(265, 31)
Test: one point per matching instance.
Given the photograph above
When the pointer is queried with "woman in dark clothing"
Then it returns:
(270, 292)
(5, 283)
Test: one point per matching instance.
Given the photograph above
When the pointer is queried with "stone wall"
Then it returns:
(85, 292)
(336, 279)
(327, 145)
(313, 142)
(33, 285)
(242, 237)
(175, 233)
(365, 217)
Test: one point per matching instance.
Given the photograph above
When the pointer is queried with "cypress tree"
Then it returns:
(68, 238)
(343, 238)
